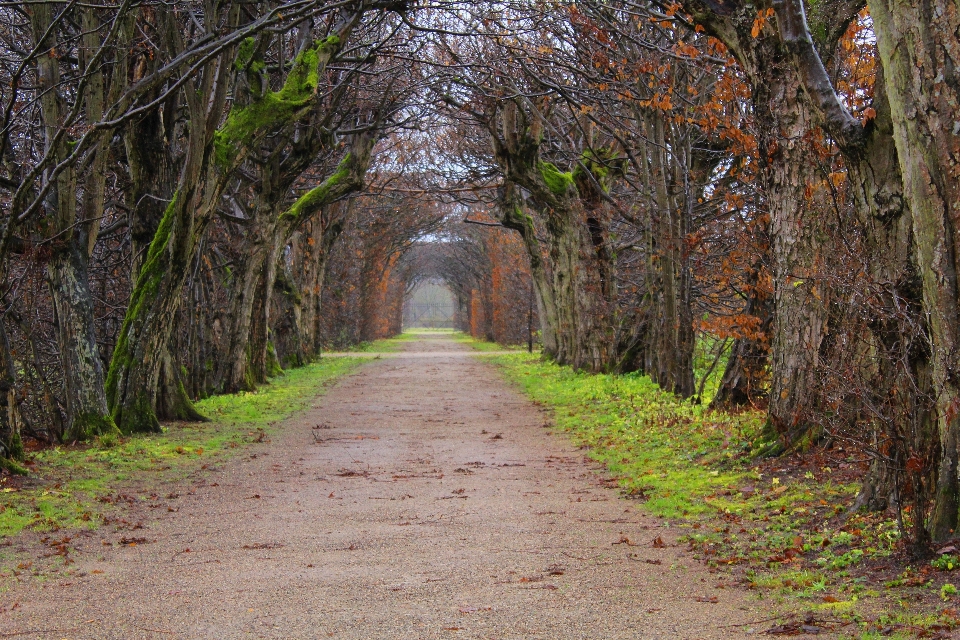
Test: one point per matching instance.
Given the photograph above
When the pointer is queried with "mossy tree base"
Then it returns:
(13, 467)
(140, 418)
(91, 425)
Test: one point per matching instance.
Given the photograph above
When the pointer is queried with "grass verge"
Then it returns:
(483, 345)
(76, 487)
(778, 527)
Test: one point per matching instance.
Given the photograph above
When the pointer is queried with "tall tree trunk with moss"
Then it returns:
(67, 271)
(249, 353)
(149, 143)
(577, 274)
(275, 167)
(140, 353)
(513, 216)
(212, 154)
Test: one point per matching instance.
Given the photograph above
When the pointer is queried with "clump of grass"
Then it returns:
(676, 456)
(71, 486)
(484, 345)
(385, 345)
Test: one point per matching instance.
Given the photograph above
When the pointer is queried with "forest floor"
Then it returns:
(421, 497)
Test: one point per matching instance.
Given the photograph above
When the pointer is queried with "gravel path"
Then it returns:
(434, 505)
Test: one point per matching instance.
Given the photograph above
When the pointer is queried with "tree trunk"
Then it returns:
(324, 233)
(920, 54)
(513, 217)
(234, 361)
(11, 446)
(263, 360)
(211, 156)
(79, 354)
(790, 182)
(577, 270)
(668, 356)
(67, 273)
(799, 299)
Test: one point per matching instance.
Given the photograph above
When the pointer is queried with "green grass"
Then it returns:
(675, 455)
(483, 345)
(74, 487)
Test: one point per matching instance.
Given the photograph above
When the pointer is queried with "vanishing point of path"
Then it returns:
(432, 503)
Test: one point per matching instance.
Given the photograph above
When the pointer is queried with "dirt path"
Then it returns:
(436, 506)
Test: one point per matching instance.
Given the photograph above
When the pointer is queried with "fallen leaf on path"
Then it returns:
(474, 609)
(658, 543)
(133, 541)
(350, 473)
(625, 540)
(708, 599)
(263, 545)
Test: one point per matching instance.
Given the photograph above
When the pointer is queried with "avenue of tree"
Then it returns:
(197, 194)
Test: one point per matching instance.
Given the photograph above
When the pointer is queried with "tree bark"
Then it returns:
(11, 445)
(212, 155)
(236, 357)
(788, 179)
(574, 297)
(67, 271)
(512, 216)
(900, 328)
(920, 54)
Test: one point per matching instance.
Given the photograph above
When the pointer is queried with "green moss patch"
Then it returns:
(274, 108)
(559, 182)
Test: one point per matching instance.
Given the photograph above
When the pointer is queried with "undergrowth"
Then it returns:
(72, 487)
(779, 527)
